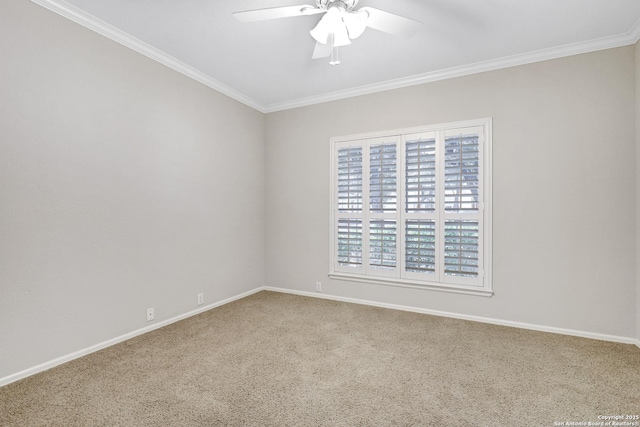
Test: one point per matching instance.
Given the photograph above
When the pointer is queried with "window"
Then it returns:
(412, 207)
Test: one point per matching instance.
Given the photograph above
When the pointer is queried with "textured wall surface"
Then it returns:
(123, 185)
(563, 170)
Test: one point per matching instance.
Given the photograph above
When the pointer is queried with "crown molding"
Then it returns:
(94, 24)
(77, 15)
(631, 37)
(634, 33)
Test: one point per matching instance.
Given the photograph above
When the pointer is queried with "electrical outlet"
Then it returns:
(318, 287)
(200, 299)
(150, 314)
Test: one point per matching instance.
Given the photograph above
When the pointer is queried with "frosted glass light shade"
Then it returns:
(356, 23)
(332, 23)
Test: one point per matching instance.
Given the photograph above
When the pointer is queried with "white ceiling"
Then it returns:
(268, 64)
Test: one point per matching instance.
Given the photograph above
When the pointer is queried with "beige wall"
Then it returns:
(118, 186)
(563, 161)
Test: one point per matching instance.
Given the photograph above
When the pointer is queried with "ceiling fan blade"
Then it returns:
(321, 51)
(390, 22)
(276, 12)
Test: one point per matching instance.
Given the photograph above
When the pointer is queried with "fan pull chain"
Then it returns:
(334, 56)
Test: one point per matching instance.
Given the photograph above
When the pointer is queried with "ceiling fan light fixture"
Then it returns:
(331, 23)
(356, 23)
(337, 7)
(341, 38)
(340, 24)
(321, 31)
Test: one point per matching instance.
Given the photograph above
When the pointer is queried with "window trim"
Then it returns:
(486, 283)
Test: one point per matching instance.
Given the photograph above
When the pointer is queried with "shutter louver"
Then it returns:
(350, 242)
(382, 178)
(420, 246)
(382, 244)
(461, 248)
(420, 178)
(350, 179)
(462, 179)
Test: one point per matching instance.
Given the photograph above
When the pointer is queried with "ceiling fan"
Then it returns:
(340, 24)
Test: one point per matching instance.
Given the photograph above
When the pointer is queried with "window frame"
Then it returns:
(400, 278)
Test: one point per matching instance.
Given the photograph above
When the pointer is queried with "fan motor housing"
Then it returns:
(349, 4)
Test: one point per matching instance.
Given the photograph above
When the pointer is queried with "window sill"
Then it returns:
(457, 289)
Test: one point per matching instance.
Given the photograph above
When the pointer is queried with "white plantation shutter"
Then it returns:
(420, 246)
(382, 244)
(461, 174)
(420, 205)
(420, 174)
(350, 242)
(409, 208)
(383, 177)
(462, 213)
(461, 248)
(350, 179)
(383, 206)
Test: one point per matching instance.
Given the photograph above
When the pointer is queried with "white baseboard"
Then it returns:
(562, 331)
(60, 360)
(76, 354)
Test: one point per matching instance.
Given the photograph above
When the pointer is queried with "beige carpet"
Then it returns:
(281, 360)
